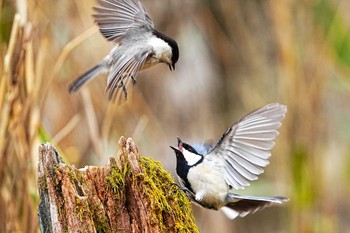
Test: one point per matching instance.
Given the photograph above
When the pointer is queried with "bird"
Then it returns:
(138, 46)
(210, 174)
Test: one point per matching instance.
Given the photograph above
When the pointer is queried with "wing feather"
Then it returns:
(116, 17)
(235, 179)
(257, 144)
(245, 147)
(250, 157)
(253, 151)
(248, 166)
(241, 169)
(125, 70)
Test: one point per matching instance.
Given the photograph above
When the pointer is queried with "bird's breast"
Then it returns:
(210, 184)
(150, 61)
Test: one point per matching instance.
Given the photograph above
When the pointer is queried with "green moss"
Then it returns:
(82, 209)
(166, 198)
(72, 175)
(100, 221)
(157, 185)
(116, 179)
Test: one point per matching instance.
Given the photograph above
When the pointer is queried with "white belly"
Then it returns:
(209, 185)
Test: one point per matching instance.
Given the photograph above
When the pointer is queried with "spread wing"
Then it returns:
(245, 147)
(116, 17)
(124, 71)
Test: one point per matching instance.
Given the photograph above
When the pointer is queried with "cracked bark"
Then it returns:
(129, 194)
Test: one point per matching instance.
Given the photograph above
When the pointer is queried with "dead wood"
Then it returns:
(130, 194)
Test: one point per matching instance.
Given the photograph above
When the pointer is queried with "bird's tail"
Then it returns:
(239, 205)
(86, 77)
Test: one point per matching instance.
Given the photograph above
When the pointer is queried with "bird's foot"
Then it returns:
(133, 79)
(188, 192)
(122, 85)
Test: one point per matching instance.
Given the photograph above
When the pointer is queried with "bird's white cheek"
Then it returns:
(191, 158)
(162, 50)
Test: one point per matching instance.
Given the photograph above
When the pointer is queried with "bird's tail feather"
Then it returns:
(85, 77)
(239, 205)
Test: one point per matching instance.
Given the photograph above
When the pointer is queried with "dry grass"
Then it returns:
(19, 131)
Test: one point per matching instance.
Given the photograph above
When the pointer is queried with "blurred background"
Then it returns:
(235, 56)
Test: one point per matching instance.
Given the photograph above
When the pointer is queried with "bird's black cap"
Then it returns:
(172, 43)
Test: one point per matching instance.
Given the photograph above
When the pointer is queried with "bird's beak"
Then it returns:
(172, 67)
(175, 149)
(179, 142)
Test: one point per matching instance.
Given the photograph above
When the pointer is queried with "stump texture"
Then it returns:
(129, 194)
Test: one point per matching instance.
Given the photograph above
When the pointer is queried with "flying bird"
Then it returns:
(211, 174)
(138, 46)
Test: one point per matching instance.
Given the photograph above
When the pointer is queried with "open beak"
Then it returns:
(175, 149)
(179, 145)
(179, 142)
(172, 67)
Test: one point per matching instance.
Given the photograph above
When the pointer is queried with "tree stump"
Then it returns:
(130, 194)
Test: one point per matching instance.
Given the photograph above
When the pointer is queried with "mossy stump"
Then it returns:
(130, 194)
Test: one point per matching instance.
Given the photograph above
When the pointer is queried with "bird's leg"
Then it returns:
(125, 92)
(188, 192)
(133, 79)
(121, 85)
